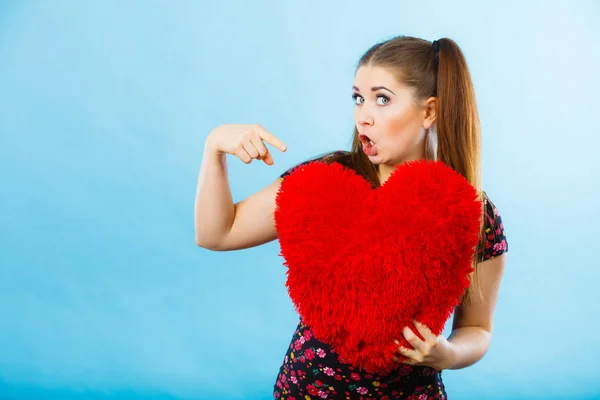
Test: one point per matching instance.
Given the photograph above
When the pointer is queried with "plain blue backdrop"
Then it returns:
(104, 110)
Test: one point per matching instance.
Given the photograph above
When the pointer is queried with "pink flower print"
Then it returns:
(322, 394)
(309, 354)
(355, 376)
(294, 380)
(321, 353)
(500, 246)
(307, 335)
(297, 345)
(329, 371)
(496, 213)
(362, 390)
(498, 231)
(302, 340)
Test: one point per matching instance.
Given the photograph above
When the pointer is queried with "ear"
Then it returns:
(430, 107)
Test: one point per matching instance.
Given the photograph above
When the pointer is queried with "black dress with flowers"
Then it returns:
(312, 369)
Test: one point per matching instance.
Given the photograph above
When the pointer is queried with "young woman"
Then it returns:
(414, 100)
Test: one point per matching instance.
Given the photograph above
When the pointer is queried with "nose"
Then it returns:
(364, 118)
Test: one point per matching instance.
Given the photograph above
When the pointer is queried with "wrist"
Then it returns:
(211, 149)
(451, 356)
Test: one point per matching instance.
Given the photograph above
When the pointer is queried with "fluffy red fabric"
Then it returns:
(363, 263)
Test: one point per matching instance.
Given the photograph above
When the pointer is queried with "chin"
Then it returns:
(376, 159)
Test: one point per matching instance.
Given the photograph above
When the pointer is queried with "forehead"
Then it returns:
(368, 76)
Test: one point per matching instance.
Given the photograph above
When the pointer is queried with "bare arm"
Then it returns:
(221, 225)
(213, 208)
(254, 223)
(473, 323)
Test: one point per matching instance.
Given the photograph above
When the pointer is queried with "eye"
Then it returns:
(382, 96)
(355, 96)
(386, 99)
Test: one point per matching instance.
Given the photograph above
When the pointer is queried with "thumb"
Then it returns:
(267, 159)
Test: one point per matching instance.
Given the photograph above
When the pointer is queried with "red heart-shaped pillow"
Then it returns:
(363, 263)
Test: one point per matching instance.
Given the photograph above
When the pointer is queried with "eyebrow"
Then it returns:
(375, 88)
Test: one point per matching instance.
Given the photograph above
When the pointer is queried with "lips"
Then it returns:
(365, 139)
(368, 146)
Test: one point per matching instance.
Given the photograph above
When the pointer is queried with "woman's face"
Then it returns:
(385, 112)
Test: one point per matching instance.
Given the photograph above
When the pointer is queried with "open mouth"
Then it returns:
(365, 139)
(368, 147)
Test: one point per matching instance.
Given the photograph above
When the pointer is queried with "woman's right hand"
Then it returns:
(244, 141)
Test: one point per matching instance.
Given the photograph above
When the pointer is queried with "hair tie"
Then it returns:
(436, 45)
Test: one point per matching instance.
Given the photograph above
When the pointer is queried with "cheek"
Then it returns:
(399, 126)
(402, 136)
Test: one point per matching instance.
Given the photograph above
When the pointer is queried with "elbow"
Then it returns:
(206, 245)
(213, 246)
(203, 239)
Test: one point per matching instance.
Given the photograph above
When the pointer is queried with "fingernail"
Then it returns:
(397, 342)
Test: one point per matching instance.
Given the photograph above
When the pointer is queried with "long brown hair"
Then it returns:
(443, 74)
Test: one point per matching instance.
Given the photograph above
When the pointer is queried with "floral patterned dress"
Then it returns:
(312, 369)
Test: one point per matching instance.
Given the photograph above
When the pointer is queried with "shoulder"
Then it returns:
(326, 157)
(493, 238)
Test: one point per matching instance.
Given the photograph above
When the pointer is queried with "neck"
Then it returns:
(384, 171)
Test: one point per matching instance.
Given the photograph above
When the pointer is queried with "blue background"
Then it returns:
(104, 110)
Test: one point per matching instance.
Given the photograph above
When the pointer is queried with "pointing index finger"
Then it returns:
(271, 139)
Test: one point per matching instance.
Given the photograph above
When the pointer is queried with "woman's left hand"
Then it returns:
(434, 351)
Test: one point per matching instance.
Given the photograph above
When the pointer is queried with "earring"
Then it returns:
(431, 143)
